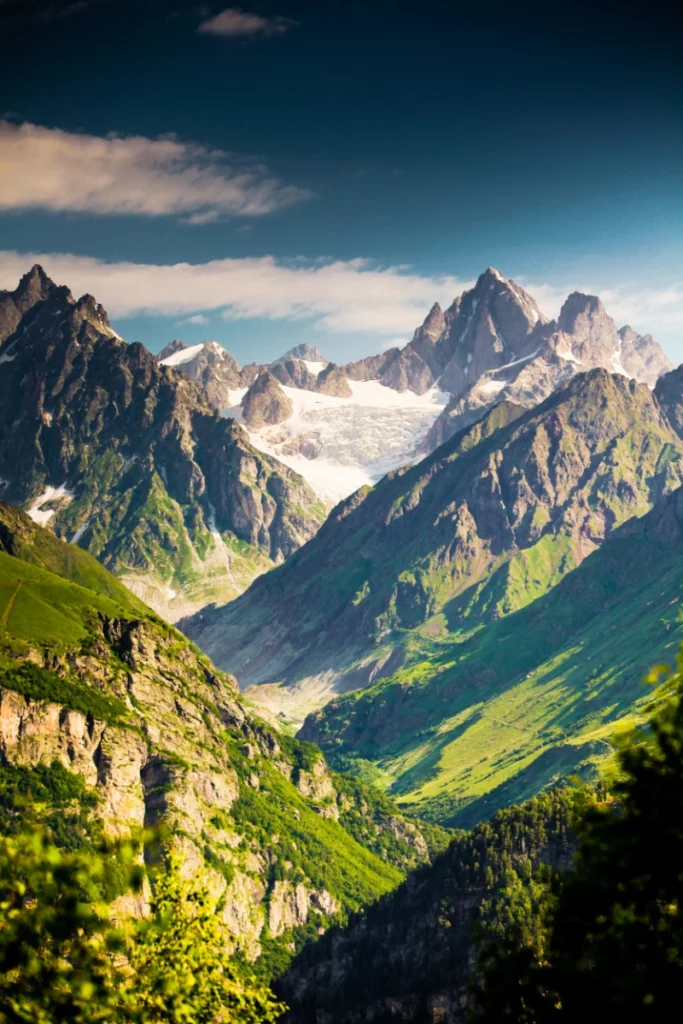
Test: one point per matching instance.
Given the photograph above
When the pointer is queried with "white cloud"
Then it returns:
(235, 23)
(50, 169)
(341, 296)
(199, 320)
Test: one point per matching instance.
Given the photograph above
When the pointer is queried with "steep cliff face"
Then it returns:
(127, 458)
(92, 680)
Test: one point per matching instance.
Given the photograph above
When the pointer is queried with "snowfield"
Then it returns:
(340, 444)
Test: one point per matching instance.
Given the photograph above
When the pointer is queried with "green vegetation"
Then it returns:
(486, 718)
(41, 684)
(63, 961)
(415, 942)
(606, 937)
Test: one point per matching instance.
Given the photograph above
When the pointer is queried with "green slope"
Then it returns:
(492, 521)
(164, 738)
(488, 718)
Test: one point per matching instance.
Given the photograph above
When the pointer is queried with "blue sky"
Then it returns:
(324, 171)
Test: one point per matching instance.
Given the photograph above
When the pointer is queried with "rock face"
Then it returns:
(128, 457)
(210, 366)
(265, 402)
(177, 747)
(458, 533)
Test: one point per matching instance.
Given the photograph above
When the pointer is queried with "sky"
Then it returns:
(286, 171)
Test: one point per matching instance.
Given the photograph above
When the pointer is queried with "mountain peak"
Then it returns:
(169, 350)
(33, 287)
(303, 351)
(576, 306)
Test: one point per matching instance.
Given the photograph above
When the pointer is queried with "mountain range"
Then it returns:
(384, 411)
(444, 591)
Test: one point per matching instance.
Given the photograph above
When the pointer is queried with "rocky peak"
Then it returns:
(265, 402)
(34, 287)
(641, 356)
(579, 315)
(434, 322)
(303, 351)
(589, 332)
(170, 350)
(489, 326)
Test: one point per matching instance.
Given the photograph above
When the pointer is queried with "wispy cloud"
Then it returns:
(234, 23)
(198, 320)
(339, 296)
(50, 169)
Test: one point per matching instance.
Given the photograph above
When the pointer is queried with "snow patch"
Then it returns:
(313, 367)
(185, 355)
(617, 364)
(491, 387)
(79, 532)
(43, 516)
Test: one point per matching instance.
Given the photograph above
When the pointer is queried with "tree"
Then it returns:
(178, 957)
(58, 947)
(613, 942)
(64, 961)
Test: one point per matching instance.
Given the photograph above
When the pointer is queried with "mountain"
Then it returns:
(584, 337)
(488, 523)
(473, 723)
(409, 957)
(128, 458)
(306, 351)
(492, 344)
(93, 685)
(213, 368)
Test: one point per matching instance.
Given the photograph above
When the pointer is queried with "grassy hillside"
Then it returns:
(96, 688)
(491, 716)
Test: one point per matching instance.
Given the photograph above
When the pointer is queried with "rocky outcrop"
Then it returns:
(265, 403)
(333, 381)
(290, 906)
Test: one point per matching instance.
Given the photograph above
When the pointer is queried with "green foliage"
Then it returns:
(39, 683)
(610, 940)
(63, 961)
(52, 794)
(416, 941)
(57, 946)
(178, 957)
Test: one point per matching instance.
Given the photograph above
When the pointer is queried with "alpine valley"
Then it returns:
(414, 596)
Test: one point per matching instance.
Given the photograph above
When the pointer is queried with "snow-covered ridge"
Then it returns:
(185, 355)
